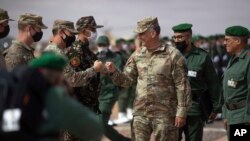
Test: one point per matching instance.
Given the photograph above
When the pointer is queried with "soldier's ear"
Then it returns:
(238, 41)
(60, 32)
(153, 33)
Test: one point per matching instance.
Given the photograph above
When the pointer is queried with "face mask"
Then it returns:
(68, 40)
(102, 49)
(124, 47)
(93, 36)
(37, 37)
(5, 32)
(181, 46)
(204, 46)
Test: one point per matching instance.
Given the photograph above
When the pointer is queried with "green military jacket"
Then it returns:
(236, 88)
(65, 113)
(203, 79)
(162, 87)
(18, 54)
(108, 89)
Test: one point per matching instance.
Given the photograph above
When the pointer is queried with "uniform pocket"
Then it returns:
(235, 80)
(195, 72)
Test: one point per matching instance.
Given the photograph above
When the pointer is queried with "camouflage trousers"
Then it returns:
(163, 129)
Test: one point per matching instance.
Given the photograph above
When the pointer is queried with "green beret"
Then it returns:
(103, 40)
(182, 27)
(237, 31)
(49, 60)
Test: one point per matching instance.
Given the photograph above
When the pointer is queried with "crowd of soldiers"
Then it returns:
(173, 85)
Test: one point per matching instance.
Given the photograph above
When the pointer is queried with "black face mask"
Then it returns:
(68, 40)
(37, 37)
(5, 32)
(181, 46)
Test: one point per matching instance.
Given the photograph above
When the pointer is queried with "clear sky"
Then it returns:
(120, 16)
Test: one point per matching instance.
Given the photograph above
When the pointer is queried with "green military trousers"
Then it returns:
(193, 130)
(126, 98)
(109, 131)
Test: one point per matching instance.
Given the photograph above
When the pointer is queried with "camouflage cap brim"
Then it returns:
(98, 26)
(6, 20)
(73, 31)
(139, 30)
(42, 26)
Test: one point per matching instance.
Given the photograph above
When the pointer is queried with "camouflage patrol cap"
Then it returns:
(31, 19)
(62, 24)
(144, 24)
(85, 22)
(4, 16)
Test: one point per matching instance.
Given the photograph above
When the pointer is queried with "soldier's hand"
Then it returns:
(98, 66)
(110, 67)
(180, 122)
(212, 116)
(225, 123)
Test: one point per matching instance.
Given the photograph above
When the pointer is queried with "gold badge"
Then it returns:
(75, 62)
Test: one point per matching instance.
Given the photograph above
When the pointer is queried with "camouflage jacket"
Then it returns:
(18, 54)
(81, 58)
(163, 89)
(76, 79)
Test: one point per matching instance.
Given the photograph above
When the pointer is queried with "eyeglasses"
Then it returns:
(179, 37)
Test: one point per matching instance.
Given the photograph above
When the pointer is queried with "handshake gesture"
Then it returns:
(100, 67)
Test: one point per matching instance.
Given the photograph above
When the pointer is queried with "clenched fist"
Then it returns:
(110, 67)
(98, 66)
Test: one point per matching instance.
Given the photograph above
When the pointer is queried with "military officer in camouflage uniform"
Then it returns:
(109, 92)
(4, 31)
(63, 37)
(203, 80)
(236, 80)
(81, 58)
(29, 31)
(163, 92)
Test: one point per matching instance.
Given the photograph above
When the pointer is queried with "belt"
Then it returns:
(236, 105)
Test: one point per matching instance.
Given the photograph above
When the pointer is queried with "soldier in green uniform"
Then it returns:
(203, 80)
(126, 95)
(162, 92)
(29, 31)
(4, 31)
(236, 80)
(109, 92)
(81, 58)
(63, 112)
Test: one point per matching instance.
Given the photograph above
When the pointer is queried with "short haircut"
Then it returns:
(157, 29)
(22, 26)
